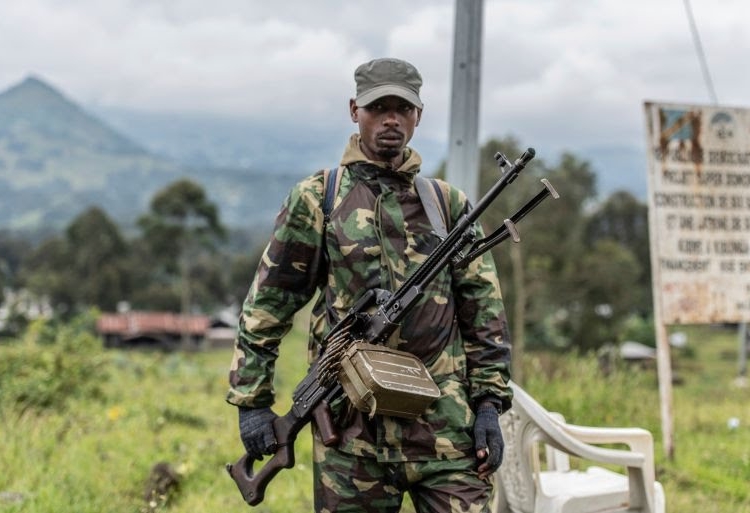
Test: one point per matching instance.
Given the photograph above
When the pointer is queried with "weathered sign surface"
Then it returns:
(699, 211)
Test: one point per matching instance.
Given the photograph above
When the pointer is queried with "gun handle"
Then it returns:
(253, 486)
(321, 414)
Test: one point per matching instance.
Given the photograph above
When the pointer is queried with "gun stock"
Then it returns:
(253, 486)
(310, 400)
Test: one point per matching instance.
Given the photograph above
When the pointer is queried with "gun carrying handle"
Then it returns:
(321, 415)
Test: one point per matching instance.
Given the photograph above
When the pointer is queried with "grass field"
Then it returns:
(82, 427)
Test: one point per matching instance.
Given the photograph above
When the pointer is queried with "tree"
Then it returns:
(241, 272)
(624, 220)
(517, 289)
(85, 267)
(535, 273)
(578, 270)
(581, 269)
(154, 288)
(98, 258)
(604, 279)
(13, 250)
(44, 274)
(557, 248)
(181, 225)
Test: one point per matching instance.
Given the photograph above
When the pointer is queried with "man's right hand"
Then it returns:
(488, 439)
(256, 431)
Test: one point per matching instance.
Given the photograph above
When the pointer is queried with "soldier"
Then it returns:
(377, 234)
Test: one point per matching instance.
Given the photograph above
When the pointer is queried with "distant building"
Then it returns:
(153, 330)
(222, 332)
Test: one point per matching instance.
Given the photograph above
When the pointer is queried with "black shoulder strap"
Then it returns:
(331, 180)
(434, 204)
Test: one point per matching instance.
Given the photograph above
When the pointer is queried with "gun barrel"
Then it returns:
(485, 244)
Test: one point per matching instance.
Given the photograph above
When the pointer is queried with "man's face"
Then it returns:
(385, 126)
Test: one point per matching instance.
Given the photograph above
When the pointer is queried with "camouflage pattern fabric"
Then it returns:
(378, 234)
(449, 486)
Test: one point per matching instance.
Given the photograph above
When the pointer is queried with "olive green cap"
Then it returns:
(387, 77)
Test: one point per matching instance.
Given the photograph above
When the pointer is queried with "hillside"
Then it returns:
(56, 159)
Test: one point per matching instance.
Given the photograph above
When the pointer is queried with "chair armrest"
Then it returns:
(636, 439)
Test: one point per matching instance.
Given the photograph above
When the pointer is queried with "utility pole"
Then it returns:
(463, 151)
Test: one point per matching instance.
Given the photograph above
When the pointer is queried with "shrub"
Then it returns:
(52, 363)
(640, 329)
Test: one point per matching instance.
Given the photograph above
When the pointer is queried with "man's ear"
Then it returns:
(353, 111)
(419, 116)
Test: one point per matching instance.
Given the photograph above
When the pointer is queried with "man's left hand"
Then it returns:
(488, 439)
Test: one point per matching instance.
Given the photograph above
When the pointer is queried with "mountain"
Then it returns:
(207, 140)
(57, 159)
(288, 147)
(211, 140)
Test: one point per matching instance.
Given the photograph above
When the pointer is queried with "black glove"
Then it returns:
(256, 431)
(488, 439)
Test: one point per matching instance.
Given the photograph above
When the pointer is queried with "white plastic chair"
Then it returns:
(524, 486)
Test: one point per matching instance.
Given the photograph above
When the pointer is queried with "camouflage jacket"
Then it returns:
(378, 233)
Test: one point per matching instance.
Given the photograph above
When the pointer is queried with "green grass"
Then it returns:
(712, 462)
(92, 450)
(710, 468)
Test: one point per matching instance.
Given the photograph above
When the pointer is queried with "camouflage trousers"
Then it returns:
(348, 483)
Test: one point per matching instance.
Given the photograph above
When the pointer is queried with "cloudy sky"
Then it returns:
(557, 74)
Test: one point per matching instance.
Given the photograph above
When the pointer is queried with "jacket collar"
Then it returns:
(353, 155)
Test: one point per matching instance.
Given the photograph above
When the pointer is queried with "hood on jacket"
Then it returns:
(353, 154)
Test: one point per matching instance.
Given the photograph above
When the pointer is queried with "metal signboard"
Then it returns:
(699, 211)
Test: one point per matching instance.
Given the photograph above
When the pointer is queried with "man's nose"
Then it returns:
(391, 118)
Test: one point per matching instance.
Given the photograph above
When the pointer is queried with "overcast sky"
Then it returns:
(556, 74)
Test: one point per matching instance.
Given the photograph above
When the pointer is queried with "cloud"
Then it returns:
(563, 74)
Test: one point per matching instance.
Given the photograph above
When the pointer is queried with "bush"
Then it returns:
(639, 329)
(52, 363)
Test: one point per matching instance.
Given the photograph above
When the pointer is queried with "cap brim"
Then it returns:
(378, 92)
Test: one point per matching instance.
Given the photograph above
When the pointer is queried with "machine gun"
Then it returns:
(322, 384)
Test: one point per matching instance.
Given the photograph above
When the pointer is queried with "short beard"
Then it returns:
(388, 154)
